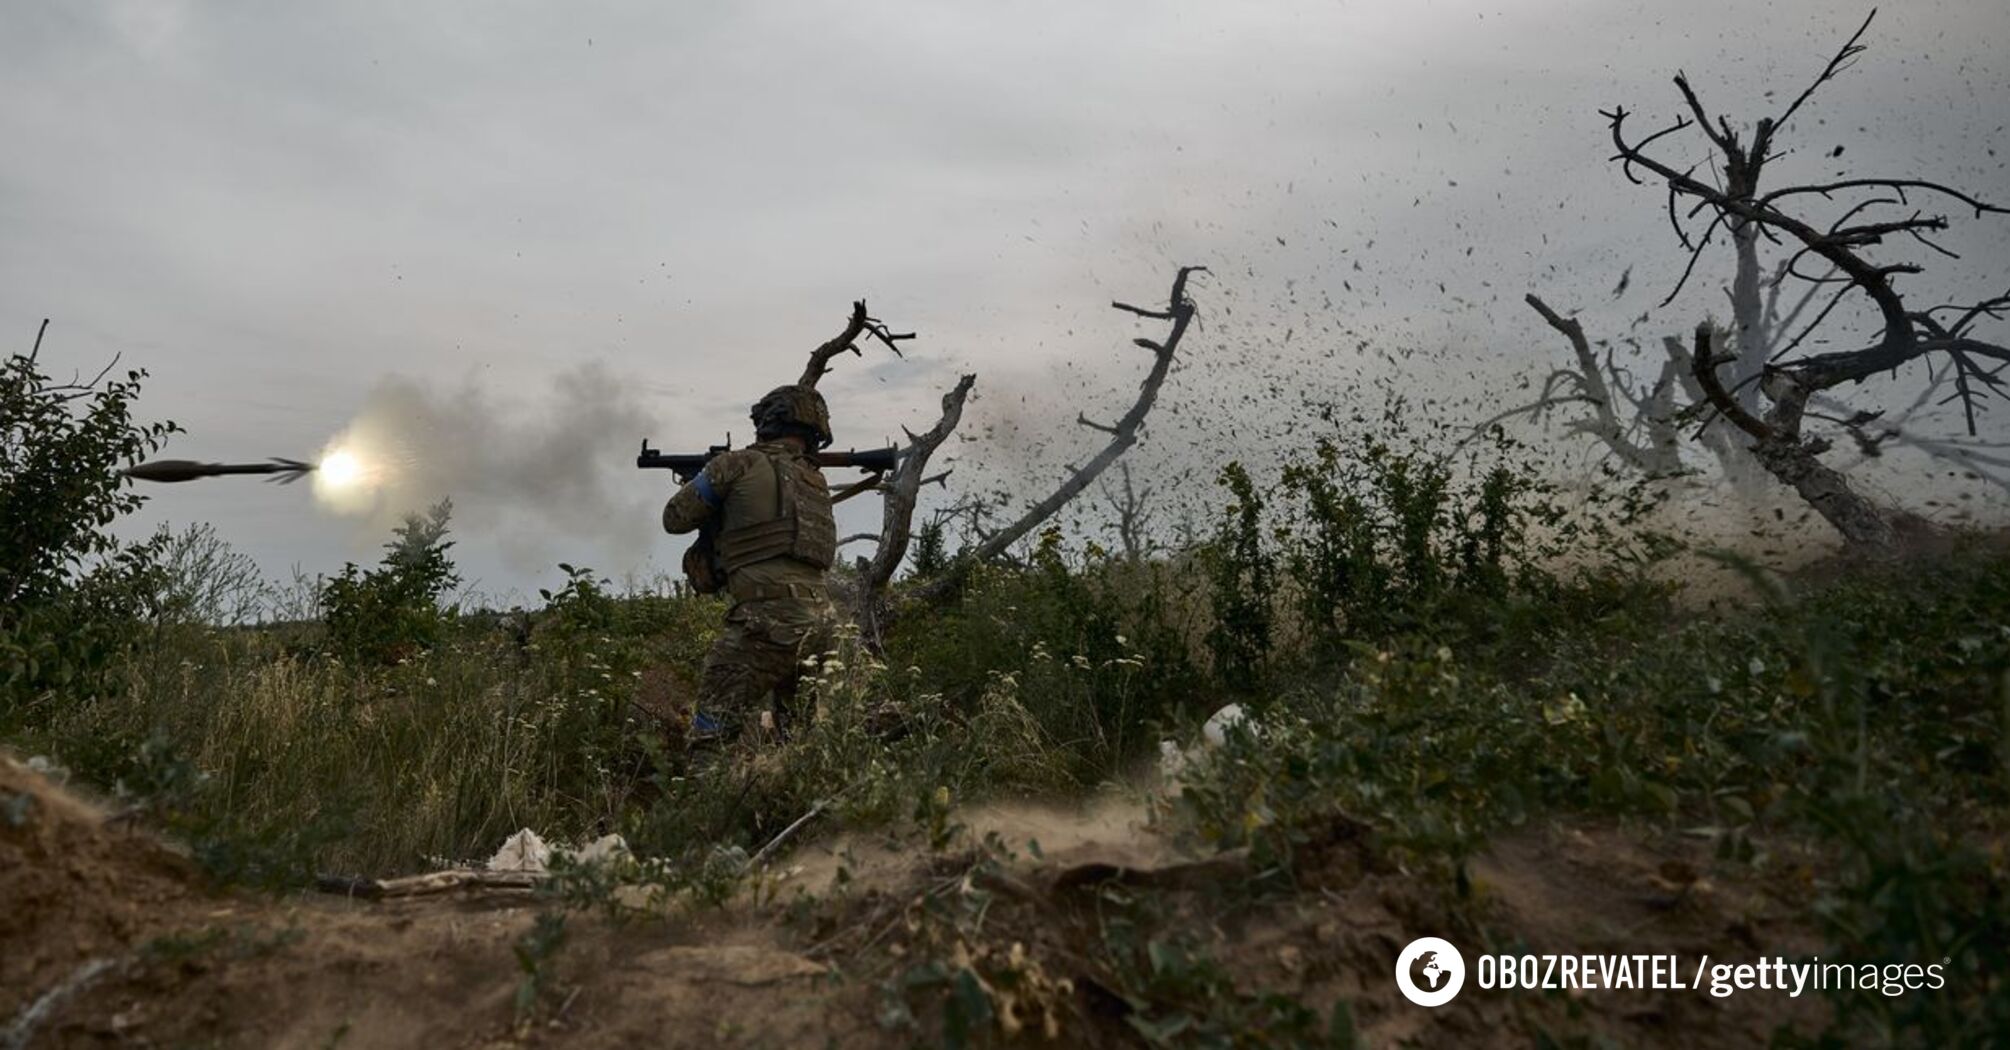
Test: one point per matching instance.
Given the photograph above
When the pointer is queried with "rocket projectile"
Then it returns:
(284, 471)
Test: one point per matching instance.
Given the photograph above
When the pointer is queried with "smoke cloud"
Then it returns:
(557, 464)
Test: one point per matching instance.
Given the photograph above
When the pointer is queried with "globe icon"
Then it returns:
(1430, 971)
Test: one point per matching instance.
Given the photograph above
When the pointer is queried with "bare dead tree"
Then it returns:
(1132, 508)
(1637, 424)
(900, 491)
(1645, 439)
(1179, 311)
(1734, 202)
(1642, 427)
(1762, 327)
(1641, 423)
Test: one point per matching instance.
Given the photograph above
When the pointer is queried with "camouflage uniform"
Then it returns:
(776, 537)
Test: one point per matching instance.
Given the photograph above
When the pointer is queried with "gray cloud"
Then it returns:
(275, 206)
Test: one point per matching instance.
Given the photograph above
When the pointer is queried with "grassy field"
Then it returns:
(1415, 661)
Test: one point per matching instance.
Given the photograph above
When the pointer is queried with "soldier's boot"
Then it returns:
(779, 718)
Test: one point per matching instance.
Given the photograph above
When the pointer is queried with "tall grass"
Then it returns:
(437, 754)
(397, 732)
(1425, 651)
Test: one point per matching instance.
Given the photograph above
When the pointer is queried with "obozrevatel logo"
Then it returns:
(1430, 971)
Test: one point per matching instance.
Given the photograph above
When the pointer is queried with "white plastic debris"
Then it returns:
(1175, 760)
(602, 850)
(527, 851)
(1215, 732)
(523, 851)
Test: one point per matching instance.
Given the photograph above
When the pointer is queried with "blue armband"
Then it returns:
(706, 492)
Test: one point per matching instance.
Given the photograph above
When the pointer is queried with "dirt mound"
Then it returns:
(79, 885)
(111, 939)
(1570, 889)
(447, 973)
(1601, 889)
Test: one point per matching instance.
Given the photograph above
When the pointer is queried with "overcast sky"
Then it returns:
(575, 225)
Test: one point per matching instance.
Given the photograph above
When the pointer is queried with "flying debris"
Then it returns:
(282, 470)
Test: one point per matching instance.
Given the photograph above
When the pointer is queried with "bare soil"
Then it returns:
(108, 937)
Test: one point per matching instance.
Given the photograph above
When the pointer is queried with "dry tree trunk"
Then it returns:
(1769, 392)
(1862, 523)
(1794, 460)
(900, 491)
(1179, 310)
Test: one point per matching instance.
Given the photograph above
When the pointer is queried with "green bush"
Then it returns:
(69, 590)
(1377, 540)
(1387, 541)
(1096, 654)
(392, 611)
(1868, 717)
(1242, 576)
(931, 549)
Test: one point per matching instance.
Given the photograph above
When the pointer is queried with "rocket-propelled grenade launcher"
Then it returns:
(284, 471)
(686, 465)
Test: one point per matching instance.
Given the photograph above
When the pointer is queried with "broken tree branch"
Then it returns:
(1704, 364)
(787, 833)
(432, 883)
(1179, 310)
(858, 324)
(1598, 384)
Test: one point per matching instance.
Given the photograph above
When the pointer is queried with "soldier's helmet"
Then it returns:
(787, 407)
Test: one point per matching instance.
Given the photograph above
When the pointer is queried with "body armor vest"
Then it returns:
(802, 527)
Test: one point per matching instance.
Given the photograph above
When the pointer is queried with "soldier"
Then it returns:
(767, 511)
